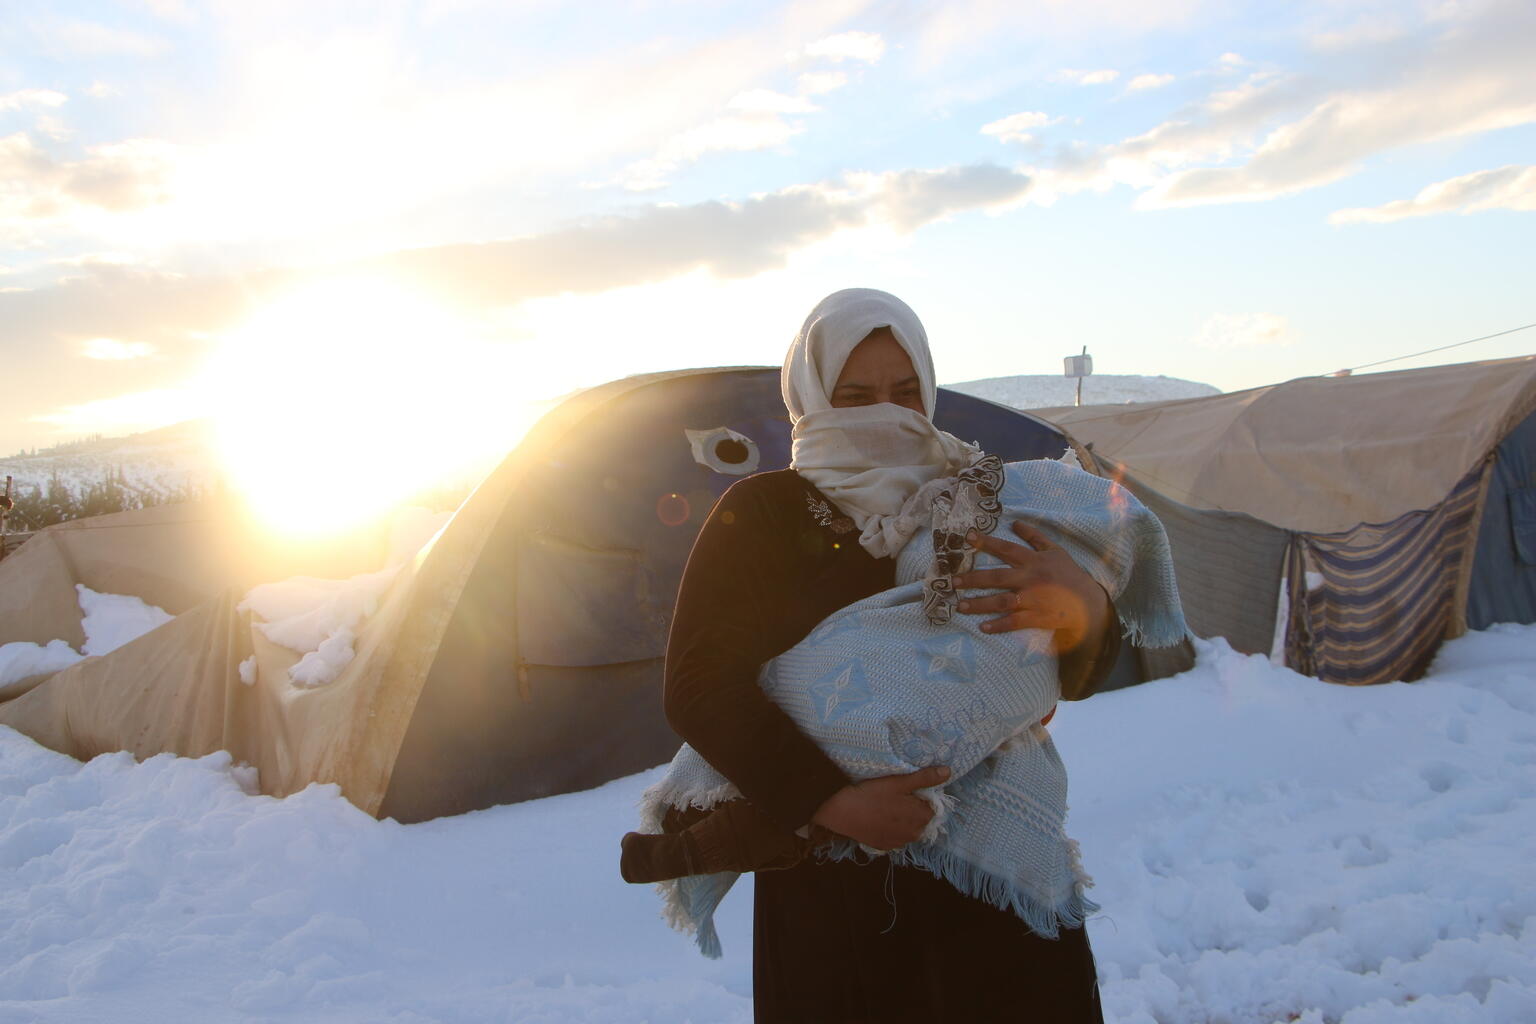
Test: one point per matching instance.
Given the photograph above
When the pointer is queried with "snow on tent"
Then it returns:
(517, 654)
(1372, 516)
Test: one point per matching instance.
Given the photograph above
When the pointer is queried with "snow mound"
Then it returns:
(320, 619)
(22, 660)
(1041, 391)
(112, 620)
(109, 621)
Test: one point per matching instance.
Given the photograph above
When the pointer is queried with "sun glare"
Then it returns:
(337, 402)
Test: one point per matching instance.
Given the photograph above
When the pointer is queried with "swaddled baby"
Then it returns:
(895, 683)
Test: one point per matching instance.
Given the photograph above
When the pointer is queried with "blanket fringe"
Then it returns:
(669, 793)
(1154, 631)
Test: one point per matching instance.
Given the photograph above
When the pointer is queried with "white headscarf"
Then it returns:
(872, 460)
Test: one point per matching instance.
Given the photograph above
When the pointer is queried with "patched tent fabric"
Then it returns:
(518, 655)
(1372, 604)
(172, 556)
(1402, 496)
(1317, 454)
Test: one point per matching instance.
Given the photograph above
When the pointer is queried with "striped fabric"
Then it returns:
(1373, 603)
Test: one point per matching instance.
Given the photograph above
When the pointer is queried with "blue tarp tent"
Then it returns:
(548, 676)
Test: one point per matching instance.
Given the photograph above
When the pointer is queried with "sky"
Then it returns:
(264, 211)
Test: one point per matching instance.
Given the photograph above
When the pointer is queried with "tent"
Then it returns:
(518, 655)
(1372, 516)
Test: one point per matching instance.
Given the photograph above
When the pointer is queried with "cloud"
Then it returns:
(1144, 82)
(26, 98)
(963, 27)
(653, 243)
(1100, 77)
(1504, 188)
(865, 47)
(1275, 134)
(118, 177)
(753, 121)
(1473, 76)
(1217, 128)
(1243, 330)
(728, 239)
(766, 101)
(1017, 127)
(817, 83)
(909, 199)
(113, 350)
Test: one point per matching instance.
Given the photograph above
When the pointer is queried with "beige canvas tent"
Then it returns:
(1398, 506)
(517, 655)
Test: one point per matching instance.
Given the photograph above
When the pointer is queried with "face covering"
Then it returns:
(873, 461)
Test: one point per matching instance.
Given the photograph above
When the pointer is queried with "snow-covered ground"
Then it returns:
(1267, 848)
(1039, 391)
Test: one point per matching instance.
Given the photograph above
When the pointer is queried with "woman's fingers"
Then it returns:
(1008, 601)
(1007, 550)
(1033, 537)
(1012, 579)
(933, 775)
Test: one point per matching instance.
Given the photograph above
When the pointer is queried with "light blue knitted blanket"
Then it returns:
(894, 683)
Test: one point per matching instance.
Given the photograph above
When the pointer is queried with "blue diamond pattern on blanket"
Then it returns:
(950, 658)
(834, 626)
(840, 691)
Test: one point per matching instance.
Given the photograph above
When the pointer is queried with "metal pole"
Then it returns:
(1080, 382)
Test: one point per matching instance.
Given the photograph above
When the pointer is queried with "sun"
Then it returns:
(337, 401)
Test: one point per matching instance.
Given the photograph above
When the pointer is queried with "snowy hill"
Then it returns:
(1042, 391)
(158, 465)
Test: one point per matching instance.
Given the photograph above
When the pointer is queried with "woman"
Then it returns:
(850, 941)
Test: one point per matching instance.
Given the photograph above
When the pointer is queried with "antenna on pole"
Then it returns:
(1079, 366)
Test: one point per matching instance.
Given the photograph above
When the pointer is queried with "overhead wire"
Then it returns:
(1428, 351)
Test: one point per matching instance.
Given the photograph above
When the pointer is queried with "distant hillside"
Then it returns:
(1041, 391)
(155, 466)
(100, 475)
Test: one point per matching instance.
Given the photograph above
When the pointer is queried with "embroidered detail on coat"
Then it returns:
(826, 515)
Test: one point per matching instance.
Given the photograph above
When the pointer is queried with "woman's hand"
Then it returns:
(1043, 589)
(882, 813)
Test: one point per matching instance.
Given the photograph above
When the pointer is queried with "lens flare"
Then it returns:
(336, 402)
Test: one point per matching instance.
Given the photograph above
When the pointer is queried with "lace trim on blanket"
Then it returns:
(971, 503)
